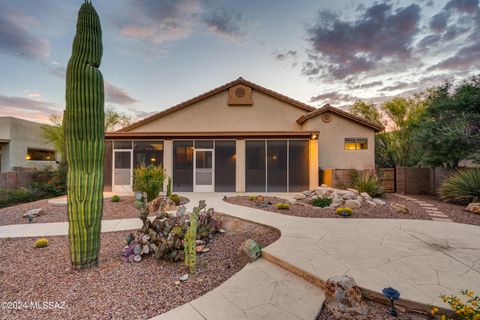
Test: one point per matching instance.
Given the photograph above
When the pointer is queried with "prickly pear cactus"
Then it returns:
(84, 139)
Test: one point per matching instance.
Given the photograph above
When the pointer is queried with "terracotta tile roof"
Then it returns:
(376, 126)
(240, 80)
(212, 134)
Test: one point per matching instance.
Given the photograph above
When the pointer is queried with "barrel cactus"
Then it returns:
(84, 139)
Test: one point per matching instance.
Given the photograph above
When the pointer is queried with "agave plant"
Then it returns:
(463, 185)
(148, 179)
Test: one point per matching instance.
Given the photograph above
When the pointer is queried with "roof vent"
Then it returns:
(240, 95)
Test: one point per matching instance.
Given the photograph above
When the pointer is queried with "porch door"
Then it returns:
(203, 170)
(122, 171)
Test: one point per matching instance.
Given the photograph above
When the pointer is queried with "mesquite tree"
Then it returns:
(84, 139)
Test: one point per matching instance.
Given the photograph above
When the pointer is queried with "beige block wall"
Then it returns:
(214, 114)
(331, 152)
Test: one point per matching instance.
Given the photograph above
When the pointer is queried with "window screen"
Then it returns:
(148, 153)
(298, 159)
(183, 166)
(255, 166)
(225, 165)
(277, 165)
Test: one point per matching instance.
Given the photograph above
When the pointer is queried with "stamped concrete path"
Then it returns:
(422, 259)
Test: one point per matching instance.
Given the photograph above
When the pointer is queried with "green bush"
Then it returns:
(322, 202)
(52, 182)
(148, 179)
(10, 197)
(175, 198)
(252, 198)
(463, 185)
(115, 198)
(367, 182)
(282, 206)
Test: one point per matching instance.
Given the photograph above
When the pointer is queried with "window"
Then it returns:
(40, 155)
(148, 153)
(225, 163)
(183, 166)
(356, 143)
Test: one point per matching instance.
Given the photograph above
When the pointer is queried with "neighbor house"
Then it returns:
(22, 146)
(241, 137)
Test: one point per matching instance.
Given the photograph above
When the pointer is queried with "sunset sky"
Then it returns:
(159, 53)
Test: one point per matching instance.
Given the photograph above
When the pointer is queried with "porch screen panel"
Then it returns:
(183, 166)
(255, 166)
(225, 151)
(277, 166)
(298, 165)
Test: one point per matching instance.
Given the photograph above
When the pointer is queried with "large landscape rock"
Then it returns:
(379, 202)
(344, 298)
(365, 196)
(34, 213)
(353, 204)
(249, 251)
(473, 207)
(299, 196)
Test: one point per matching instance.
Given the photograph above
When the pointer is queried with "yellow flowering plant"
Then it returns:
(467, 307)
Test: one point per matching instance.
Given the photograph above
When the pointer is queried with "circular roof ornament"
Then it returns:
(240, 92)
(326, 117)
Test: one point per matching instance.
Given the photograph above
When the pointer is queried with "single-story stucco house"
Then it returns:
(241, 137)
(22, 146)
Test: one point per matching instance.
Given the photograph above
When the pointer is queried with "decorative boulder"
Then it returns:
(344, 298)
(354, 204)
(34, 213)
(379, 202)
(306, 193)
(372, 203)
(366, 196)
(473, 207)
(399, 208)
(353, 190)
(299, 196)
(249, 251)
(349, 196)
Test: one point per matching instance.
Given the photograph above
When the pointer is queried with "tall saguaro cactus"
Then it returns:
(84, 139)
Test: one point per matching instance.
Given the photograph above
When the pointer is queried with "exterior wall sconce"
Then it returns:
(314, 136)
(27, 157)
(393, 295)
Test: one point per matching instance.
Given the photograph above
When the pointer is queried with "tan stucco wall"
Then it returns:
(214, 114)
(23, 134)
(331, 152)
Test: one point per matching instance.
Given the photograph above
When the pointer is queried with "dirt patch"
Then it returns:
(115, 290)
(366, 211)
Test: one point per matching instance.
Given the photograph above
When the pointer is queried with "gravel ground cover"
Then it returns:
(455, 212)
(378, 312)
(115, 290)
(366, 211)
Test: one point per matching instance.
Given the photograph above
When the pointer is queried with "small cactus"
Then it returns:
(344, 212)
(115, 198)
(282, 206)
(41, 243)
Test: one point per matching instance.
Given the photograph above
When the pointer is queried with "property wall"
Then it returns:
(214, 114)
(331, 152)
(23, 135)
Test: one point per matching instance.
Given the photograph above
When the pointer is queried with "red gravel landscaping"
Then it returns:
(111, 210)
(366, 211)
(115, 290)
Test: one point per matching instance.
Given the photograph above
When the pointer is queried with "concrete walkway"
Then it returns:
(422, 259)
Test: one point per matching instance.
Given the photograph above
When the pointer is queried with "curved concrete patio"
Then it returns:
(422, 259)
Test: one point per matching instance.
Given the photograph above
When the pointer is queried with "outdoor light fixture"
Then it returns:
(393, 295)
(153, 159)
(28, 157)
(314, 136)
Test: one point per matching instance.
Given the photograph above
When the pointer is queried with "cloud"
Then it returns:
(439, 22)
(162, 21)
(341, 48)
(26, 108)
(397, 86)
(59, 72)
(117, 95)
(227, 24)
(367, 85)
(464, 59)
(333, 97)
(282, 56)
(15, 36)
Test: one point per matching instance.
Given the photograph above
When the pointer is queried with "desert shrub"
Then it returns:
(52, 183)
(463, 185)
(41, 243)
(282, 206)
(322, 202)
(344, 212)
(252, 198)
(367, 182)
(115, 198)
(467, 308)
(10, 197)
(148, 179)
(175, 198)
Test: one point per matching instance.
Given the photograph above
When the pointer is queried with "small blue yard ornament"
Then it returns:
(393, 295)
(30, 219)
